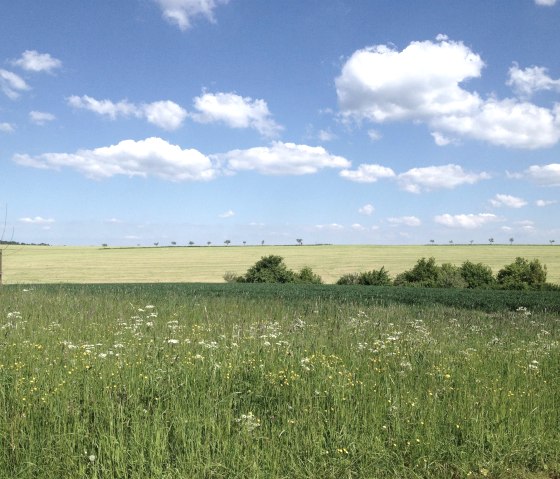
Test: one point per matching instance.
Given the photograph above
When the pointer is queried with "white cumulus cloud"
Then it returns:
(164, 114)
(150, 157)
(33, 61)
(282, 159)
(41, 117)
(530, 80)
(465, 221)
(430, 178)
(367, 173)
(543, 175)
(508, 201)
(182, 12)
(425, 83)
(11, 84)
(236, 112)
(546, 3)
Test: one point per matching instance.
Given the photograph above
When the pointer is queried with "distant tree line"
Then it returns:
(17, 243)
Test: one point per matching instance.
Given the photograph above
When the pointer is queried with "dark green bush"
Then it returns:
(449, 276)
(424, 273)
(375, 277)
(522, 274)
(350, 278)
(368, 278)
(271, 269)
(307, 276)
(477, 275)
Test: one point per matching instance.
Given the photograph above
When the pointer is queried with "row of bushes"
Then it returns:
(522, 274)
(519, 275)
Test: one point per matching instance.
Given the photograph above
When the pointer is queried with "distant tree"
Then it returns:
(450, 241)
(209, 243)
(471, 241)
(227, 242)
(432, 241)
(511, 241)
(191, 243)
(262, 243)
(244, 243)
(551, 242)
(173, 243)
(155, 244)
(491, 240)
(299, 241)
(104, 245)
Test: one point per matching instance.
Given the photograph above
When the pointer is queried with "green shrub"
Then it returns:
(477, 275)
(424, 273)
(271, 269)
(307, 276)
(449, 276)
(375, 277)
(348, 279)
(368, 278)
(522, 274)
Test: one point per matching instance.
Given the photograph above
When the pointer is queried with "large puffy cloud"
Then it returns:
(430, 178)
(11, 84)
(367, 173)
(382, 84)
(466, 221)
(530, 80)
(181, 12)
(282, 159)
(164, 114)
(158, 158)
(33, 61)
(425, 83)
(149, 157)
(236, 112)
(510, 123)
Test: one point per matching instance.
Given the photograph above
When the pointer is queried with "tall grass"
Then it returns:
(167, 382)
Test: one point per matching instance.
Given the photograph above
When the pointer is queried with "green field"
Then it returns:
(29, 264)
(275, 382)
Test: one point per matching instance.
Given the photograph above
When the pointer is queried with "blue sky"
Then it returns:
(333, 121)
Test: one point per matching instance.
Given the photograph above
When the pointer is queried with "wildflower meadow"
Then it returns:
(169, 381)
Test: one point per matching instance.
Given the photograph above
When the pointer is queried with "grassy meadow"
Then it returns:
(234, 381)
(31, 264)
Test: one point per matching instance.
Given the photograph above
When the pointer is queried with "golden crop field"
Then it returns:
(65, 264)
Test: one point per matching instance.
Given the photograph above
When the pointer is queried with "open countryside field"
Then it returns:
(54, 264)
(272, 381)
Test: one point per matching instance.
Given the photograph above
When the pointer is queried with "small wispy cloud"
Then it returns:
(37, 220)
(227, 214)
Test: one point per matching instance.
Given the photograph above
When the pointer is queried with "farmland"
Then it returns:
(30, 264)
(275, 381)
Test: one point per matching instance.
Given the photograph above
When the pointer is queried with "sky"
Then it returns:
(331, 121)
